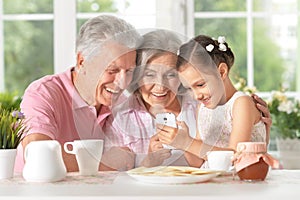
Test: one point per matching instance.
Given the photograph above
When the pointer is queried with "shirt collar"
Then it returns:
(103, 114)
(133, 103)
(77, 101)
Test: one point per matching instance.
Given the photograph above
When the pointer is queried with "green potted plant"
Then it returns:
(285, 114)
(12, 130)
(10, 101)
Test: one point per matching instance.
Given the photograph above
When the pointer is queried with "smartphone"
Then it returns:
(167, 118)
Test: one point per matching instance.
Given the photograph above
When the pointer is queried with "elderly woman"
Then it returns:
(155, 88)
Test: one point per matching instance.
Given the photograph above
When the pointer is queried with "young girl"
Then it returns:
(225, 116)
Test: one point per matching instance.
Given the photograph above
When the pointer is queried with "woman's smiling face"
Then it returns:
(160, 81)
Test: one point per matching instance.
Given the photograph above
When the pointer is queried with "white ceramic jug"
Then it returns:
(43, 162)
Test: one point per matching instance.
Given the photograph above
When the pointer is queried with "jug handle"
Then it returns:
(66, 147)
(25, 152)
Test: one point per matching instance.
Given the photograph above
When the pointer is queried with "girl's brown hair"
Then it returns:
(195, 52)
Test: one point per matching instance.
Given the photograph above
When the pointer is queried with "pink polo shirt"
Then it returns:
(54, 108)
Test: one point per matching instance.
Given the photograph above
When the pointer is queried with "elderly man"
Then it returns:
(75, 104)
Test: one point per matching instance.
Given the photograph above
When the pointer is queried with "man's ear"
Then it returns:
(223, 70)
(79, 60)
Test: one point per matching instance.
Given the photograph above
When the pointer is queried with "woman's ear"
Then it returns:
(223, 70)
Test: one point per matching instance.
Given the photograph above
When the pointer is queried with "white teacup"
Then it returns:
(88, 154)
(220, 160)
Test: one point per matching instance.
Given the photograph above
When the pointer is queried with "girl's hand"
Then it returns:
(175, 137)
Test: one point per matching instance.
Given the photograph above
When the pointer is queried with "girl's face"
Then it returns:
(208, 88)
(160, 81)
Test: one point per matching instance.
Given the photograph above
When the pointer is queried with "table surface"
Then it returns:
(118, 185)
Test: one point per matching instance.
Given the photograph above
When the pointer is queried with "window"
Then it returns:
(25, 26)
(262, 34)
(38, 37)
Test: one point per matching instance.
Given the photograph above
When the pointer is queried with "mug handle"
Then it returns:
(67, 149)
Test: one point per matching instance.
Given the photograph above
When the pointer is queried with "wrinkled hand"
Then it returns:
(119, 158)
(266, 115)
(156, 158)
(175, 137)
(157, 154)
(155, 144)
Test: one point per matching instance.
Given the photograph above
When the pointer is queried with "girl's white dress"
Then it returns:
(215, 125)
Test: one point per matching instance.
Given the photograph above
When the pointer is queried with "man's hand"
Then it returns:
(266, 115)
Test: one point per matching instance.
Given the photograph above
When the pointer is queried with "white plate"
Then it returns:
(224, 173)
(173, 179)
(142, 175)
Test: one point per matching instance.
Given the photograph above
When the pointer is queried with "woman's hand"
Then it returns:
(156, 158)
(156, 153)
(266, 115)
(155, 144)
(175, 137)
(118, 158)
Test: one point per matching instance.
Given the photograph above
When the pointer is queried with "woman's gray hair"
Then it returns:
(155, 44)
(95, 32)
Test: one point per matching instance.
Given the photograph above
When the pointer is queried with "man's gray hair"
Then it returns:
(97, 31)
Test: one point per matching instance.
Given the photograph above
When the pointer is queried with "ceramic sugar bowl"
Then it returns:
(252, 161)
